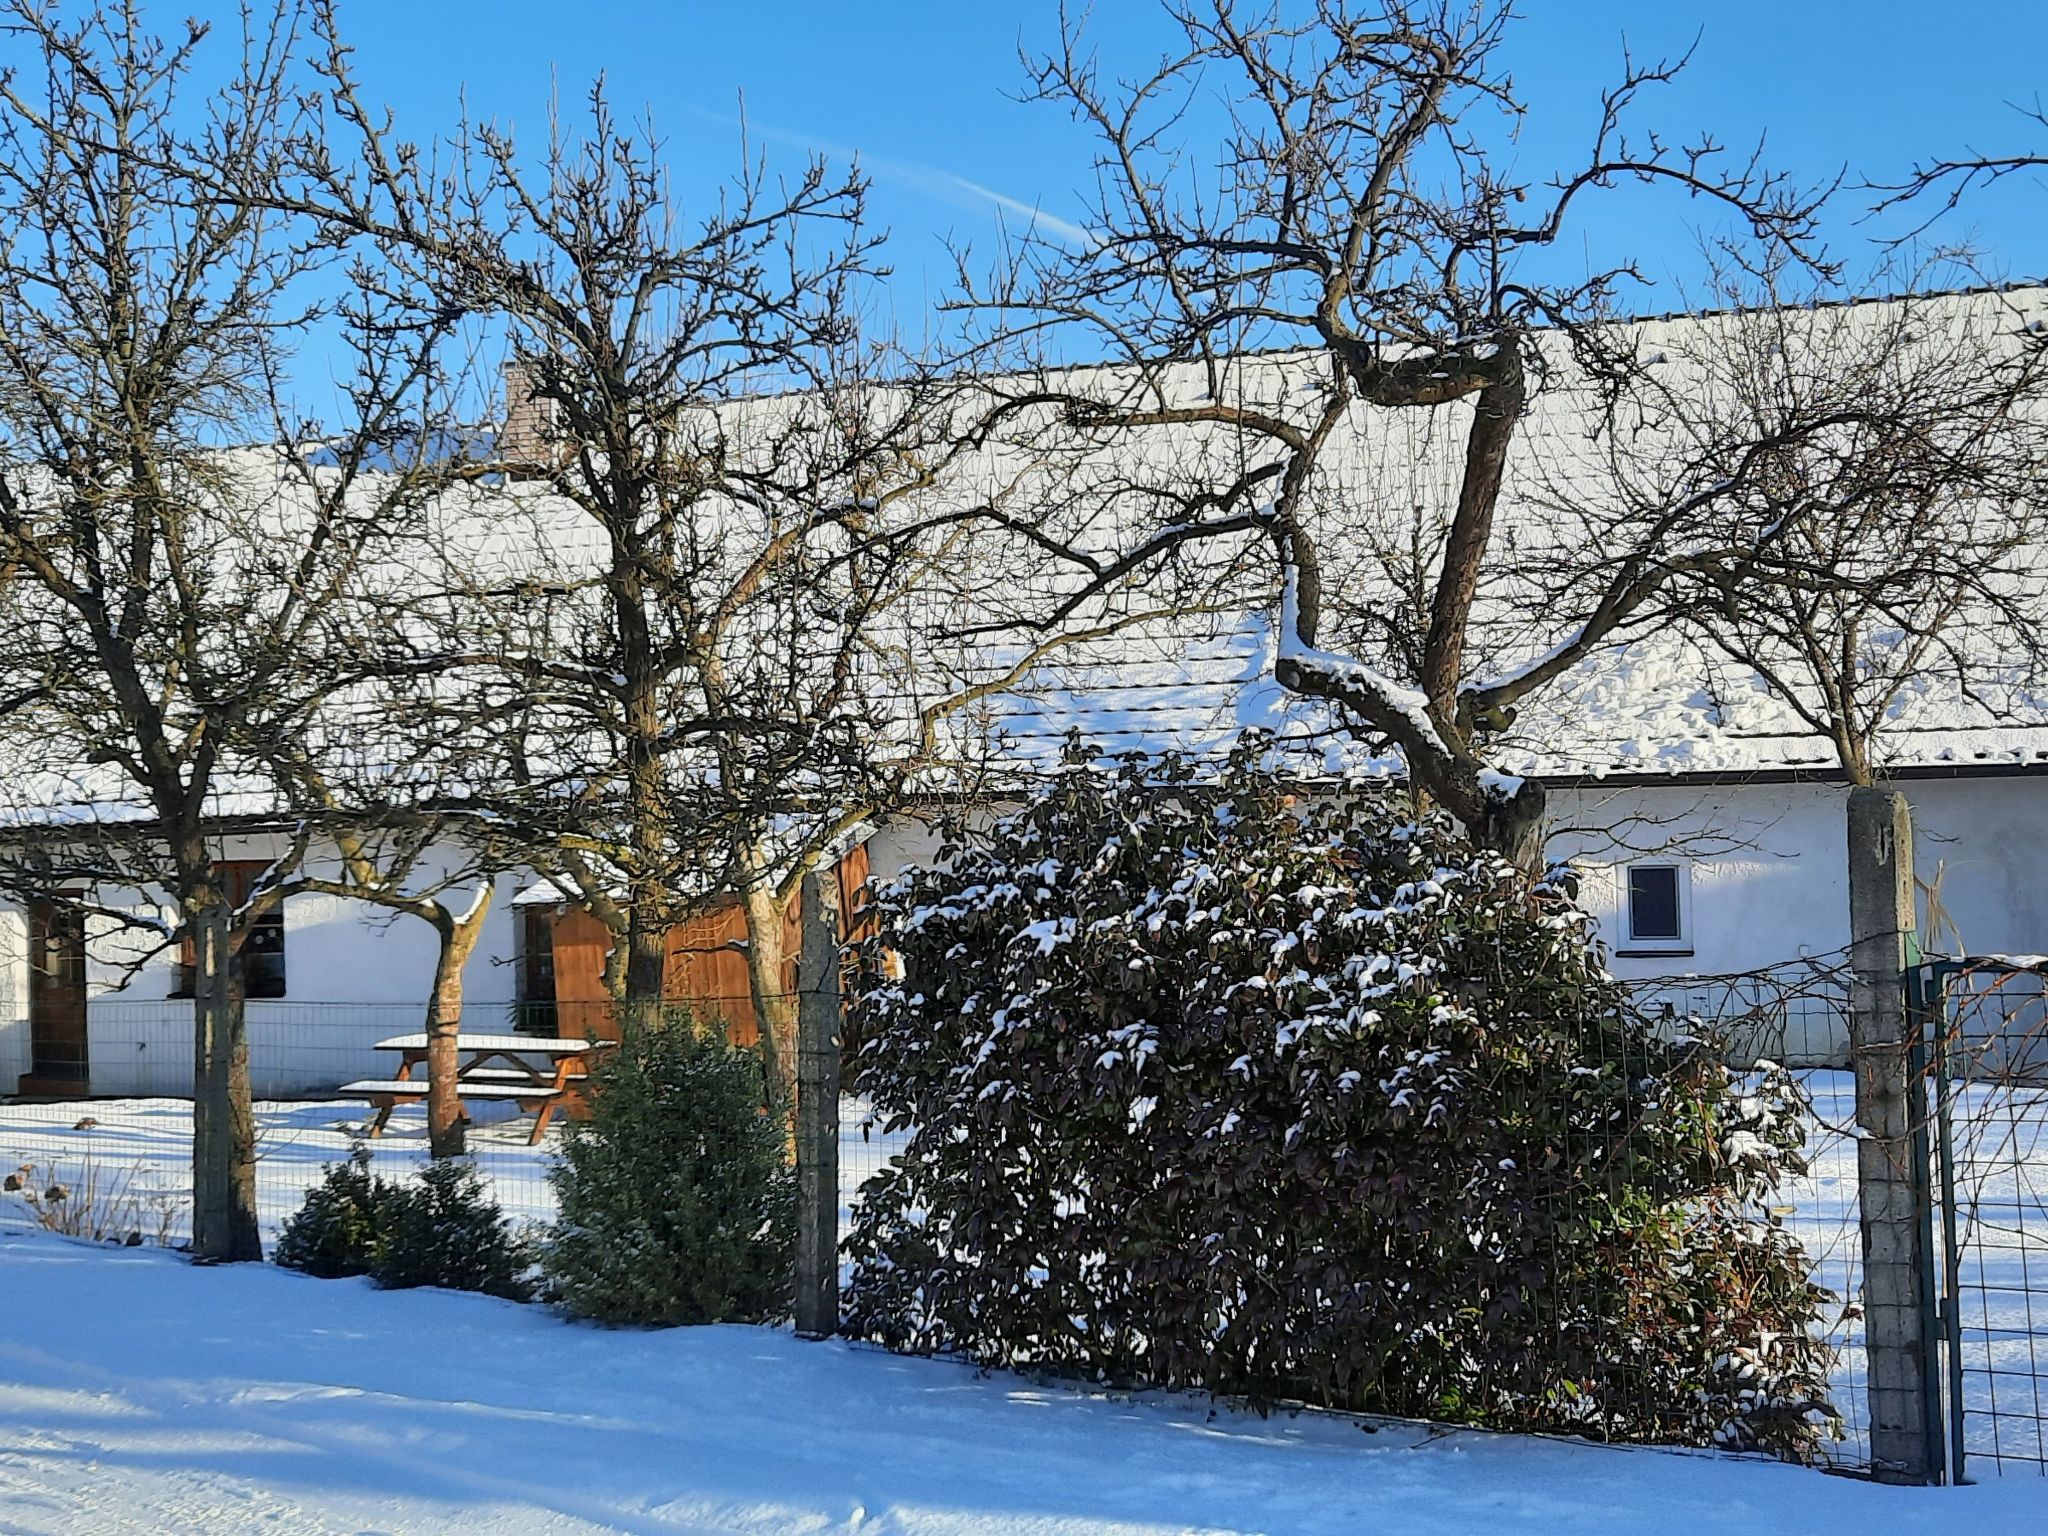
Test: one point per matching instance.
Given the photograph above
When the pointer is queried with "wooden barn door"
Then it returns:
(56, 992)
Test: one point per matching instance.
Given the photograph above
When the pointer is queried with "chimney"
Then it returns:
(533, 438)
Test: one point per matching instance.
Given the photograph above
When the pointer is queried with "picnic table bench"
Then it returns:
(490, 1067)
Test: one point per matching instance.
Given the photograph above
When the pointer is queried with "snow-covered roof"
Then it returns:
(1653, 704)
(1194, 681)
(1659, 706)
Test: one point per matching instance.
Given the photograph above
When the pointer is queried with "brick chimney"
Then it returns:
(533, 427)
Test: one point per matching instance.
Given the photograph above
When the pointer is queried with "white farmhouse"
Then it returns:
(1706, 817)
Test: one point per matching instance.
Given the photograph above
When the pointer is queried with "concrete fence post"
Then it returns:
(817, 1107)
(1891, 1112)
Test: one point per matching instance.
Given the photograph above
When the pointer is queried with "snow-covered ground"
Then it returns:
(2000, 1166)
(141, 1394)
(140, 1150)
(144, 1145)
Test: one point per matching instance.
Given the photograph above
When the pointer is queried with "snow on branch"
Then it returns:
(1354, 677)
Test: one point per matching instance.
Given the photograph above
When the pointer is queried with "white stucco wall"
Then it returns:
(354, 974)
(899, 844)
(1765, 865)
(14, 1038)
(1766, 869)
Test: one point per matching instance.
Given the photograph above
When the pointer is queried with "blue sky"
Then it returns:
(924, 90)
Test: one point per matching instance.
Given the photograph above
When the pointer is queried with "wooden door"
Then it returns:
(56, 991)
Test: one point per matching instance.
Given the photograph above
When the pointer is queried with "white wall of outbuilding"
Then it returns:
(1764, 864)
(355, 974)
(1766, 870)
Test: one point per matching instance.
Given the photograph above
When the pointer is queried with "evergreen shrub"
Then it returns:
(677, 1200)
(440, 1227)
(337, 1230)
(1210, 1084)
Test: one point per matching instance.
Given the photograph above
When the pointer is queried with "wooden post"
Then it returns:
(1891, 1111)
(817, 1108)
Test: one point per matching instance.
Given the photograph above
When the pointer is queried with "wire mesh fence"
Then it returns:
(103, 1148)
(119, 1148)
(1796, 1015)
(112, 1158)
(1990, 1095)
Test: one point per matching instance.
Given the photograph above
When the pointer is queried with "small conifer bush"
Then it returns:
(443, 1228)
(440, 1227)
(676, 1196)
(337, 1230)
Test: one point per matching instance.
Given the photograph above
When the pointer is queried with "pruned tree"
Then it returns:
(1321, 361)
(625, 326)
(169, 593)
(695, 608)
(399, 830)
(1871, 544)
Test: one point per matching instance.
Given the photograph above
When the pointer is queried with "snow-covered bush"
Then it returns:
(336, 1231)
(1210, 1085)
(440, 1227)
(677, 1199)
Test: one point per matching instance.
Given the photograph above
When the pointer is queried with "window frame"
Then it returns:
(237, 876)
(535, 1005)
(1680, 943)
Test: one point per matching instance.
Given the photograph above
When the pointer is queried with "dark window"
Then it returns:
(1655, 914)
(537, 969)
(262, 949)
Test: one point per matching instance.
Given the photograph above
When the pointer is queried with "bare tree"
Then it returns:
(1878, 514)
(1940, 184)
(1337, 339)
(702, 642)
(169, 593)
(391, 788)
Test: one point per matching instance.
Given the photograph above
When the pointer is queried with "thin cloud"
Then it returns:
(937, 182)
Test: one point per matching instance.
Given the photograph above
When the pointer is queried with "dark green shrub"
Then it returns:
(439, 1227)
(1212, 1085)
(337, 1230)
(677, 1199)
(443, 1228)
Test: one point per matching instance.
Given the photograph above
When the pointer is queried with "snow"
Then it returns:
(2001, 1133)
(146, 1144)
(1515, 674)
(1499, 786)
(145, 1147)
(1411, 704)
(138, 1393)
(1655, 705)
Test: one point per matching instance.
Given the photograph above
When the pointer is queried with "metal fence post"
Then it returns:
(1891, 1112)
(817, 1108)
(1935, 978)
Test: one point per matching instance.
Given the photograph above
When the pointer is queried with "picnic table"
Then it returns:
(499, 1067)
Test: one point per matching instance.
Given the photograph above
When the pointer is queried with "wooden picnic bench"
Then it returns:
(490, 1067)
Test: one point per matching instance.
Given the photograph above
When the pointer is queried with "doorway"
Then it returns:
(56, 993)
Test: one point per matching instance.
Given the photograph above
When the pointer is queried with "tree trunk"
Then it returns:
(223, 1123)
(646, 968)
(1515, 826)
(768, 981)
(447, 1125)
(1495, 413)
(648, 916)
(815, 1108)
